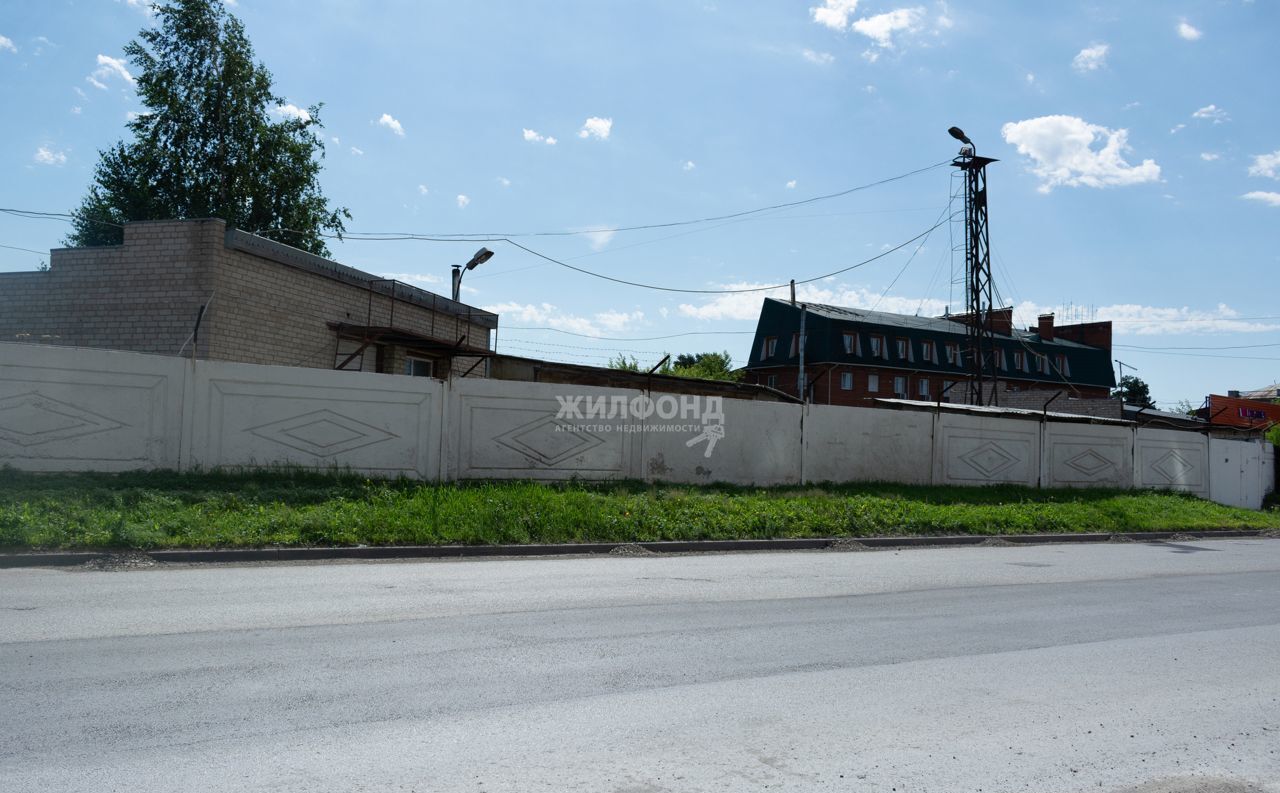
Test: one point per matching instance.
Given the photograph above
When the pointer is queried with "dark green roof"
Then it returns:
(825, 326)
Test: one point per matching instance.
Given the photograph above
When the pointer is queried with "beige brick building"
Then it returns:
(266, 303)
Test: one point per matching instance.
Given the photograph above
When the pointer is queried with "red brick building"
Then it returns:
(853, 356)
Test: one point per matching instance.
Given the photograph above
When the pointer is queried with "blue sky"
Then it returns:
(1139, 147)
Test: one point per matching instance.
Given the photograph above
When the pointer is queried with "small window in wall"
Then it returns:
(418, 367)
(877, 346)
(1004, 359)
(772, 381)
(1064, 366)
(928, 351)
(948, 387)
(924, 387)
(1018, 355)
(873, 383)
(904, 349)
(770, 347)
(900, 387)
(846, 381)
(797, 341)
(852, 345)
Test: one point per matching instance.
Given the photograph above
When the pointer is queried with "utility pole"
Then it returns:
(979, 334)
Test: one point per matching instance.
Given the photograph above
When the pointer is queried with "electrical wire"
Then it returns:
(27, 250)
(946, 212)
(32, 214)
(670, 224)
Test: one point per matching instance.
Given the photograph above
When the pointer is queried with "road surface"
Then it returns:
(1144, 667)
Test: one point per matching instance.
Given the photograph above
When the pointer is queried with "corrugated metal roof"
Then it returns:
(930, 324)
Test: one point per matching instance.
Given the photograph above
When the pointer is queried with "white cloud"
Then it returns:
(1130, 319)
(834, 13)
(291, 111)
(109, 67)
(75, 110)
(595, 127)
(413, 278)
(1267, 198)
(1091, 58)
(79, 92)
(1177, 128)
(6, 43)
(1266, 165)
(504, 181)
(547, 314)
(463, 201)
(422, 189)
(1031, 78)
(870, 89)
(791, 185)
(1209, 156)
(533, 136)
(1212, 113)
(1064, 153)
(882, 27)
(598, 236)
(357, 152)
(134, 115)
(391, 124)
(145, 6)
(689, 165)
(1188, 32)
(46, 156)
(820, 58)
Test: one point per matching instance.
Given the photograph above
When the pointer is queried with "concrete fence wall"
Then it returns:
(67, 409)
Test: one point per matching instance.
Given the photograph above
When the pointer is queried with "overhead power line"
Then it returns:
(27, 250)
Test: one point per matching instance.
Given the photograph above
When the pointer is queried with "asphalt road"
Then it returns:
(1137, 667)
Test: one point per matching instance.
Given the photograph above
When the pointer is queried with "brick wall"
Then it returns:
(144, 296)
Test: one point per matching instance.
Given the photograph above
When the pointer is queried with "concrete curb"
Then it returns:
(67, 559)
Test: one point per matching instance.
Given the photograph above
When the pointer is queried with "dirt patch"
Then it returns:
(1182, 537)
(1120, 538)
(996, 542)
(631, 549)
(847, 544)
(131, 560)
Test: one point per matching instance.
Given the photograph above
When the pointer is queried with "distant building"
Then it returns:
(853, 356)
(1235, 410)
(267, 303)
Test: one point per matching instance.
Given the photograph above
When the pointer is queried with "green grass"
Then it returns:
(169, 510)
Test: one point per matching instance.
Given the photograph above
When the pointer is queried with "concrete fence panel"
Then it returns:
(974, 450)
(733, 440)
(1171, 460)
(251, 415)
(867, 445)
(514, 430)
(69, 409)
(1087, 455)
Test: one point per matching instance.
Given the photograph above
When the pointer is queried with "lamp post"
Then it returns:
(979, 291)
(483, 255)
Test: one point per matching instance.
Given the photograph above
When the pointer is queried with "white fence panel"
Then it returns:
(1171, 460)
(867, 445)
(513, 430)
(71, 409)
(971, 450)
(756, 443)
(250, 415)
(1087, 455)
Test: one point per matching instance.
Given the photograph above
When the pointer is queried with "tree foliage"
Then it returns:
(207, 145)
(703, 365)
(1133, 391)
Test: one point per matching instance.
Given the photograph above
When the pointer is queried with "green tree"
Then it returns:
(706, 365)
(1133, 391)
(207, 145)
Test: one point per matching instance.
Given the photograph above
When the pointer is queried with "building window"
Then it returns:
(924, 387)
(797, 341)
(852, 346)
(900, 387)
(1064, 366)
(904, 349)
(846, 381)
(770, 347)
(772, 381)
(418, 367)
(877, 346)
(947, 387)
(929, 350)
(1004, 360)
(1042, 364)
(1018, 362)
(953, 355)
(873, 383)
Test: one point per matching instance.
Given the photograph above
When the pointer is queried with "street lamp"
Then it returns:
(483, 255)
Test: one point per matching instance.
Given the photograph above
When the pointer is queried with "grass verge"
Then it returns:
(239, 510)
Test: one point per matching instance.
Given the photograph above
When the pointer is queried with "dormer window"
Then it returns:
(904, 349)
(852, 344)
(877, 347)
(770, 347)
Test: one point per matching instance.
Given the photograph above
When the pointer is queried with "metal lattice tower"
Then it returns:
(980, 349)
